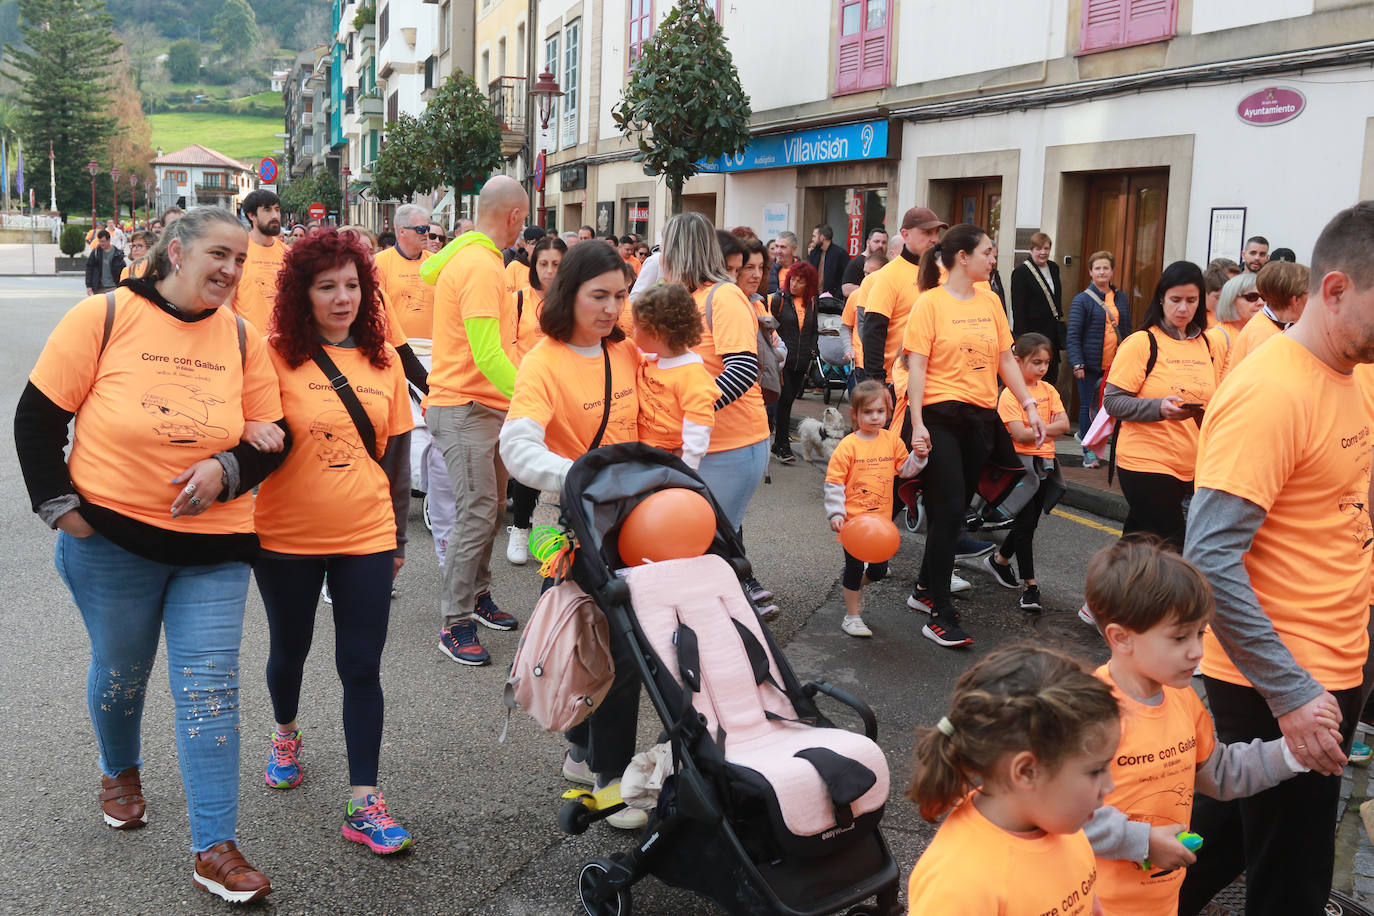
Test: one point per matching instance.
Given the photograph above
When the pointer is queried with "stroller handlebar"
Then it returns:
(859, 706)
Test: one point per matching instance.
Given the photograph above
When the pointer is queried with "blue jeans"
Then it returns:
(124, 601)
(733, 476)
(1087, 398)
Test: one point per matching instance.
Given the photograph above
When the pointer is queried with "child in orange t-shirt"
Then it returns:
(677, 396)
(1033, 354)
(1152, 607)
(1020, 762)
(859, 482)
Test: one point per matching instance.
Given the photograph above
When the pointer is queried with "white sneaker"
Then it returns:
(1086, 616)
(854, 625)
(958, 584)
(518, 547)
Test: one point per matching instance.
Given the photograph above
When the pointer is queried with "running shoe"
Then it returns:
(1086, 616)
(769, 612)
(757, 592)
(920, 600)
(518, 547)
(368, 822)
(284, 761)
(577, 771)
(1090, 460)
(459, 642)
(996, 520)
(967, 548)
(1030, 599)
(1360, 753)
(944, 630)
(489, 615)
(958, 584)
(854, 625)
(1005, 575)
(784, 457)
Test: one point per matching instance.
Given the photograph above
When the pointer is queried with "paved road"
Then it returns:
(482, 813)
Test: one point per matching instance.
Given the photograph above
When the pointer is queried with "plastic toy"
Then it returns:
(1191, 842)
(545, 541)
(669, 525)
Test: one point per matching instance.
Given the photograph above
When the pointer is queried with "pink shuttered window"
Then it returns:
(641, 27)
(861, 59)
(1119, 23)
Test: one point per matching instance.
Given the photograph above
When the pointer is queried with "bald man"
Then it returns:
(470, 385)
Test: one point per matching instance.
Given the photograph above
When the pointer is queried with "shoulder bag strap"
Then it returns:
(243, 342)
(1116, 429)
(519, 306)
(606, 400)
(1045, 288)
(707, 308)
(339, 382)
(109, 321)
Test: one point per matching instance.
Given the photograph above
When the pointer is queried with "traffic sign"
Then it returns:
(316, 211)
(540, 168)
(267, 169)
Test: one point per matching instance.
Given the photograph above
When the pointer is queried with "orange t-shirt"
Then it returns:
(867, 468)
(1047, 403)
(329, 496)
(1185, 368)
(850, 317)
(1292, 436)
(256, 294)
(893, 294)
(975, 867)
(411, 297)
(517, 275)
(1109, 336)
(734, 328)
(670, 394)
(471, 286)
(1256, 331)
(1154, 769)
(964, 340)
(135, 269)
(165, 394)
(529, 304)
(563, 391)
(395, 335)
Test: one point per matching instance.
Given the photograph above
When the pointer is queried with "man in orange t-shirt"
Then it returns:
(1280, 527)
(470, 385)
(888, 303)
(256, 295)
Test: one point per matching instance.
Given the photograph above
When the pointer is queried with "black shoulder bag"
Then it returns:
(339, 382)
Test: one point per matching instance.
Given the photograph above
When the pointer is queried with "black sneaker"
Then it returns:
(967, 548)
(757, 592)
(1003, 574)
(1030, 598)
(943, 630)
(996, 520)
(784, 457)
(920, 600)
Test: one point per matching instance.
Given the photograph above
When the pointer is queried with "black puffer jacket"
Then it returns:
(800, 341)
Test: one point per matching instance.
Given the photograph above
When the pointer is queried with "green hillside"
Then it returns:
(236, 136)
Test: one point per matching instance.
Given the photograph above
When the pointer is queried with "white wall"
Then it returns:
(782, 50)
(747, 192)
(1217, 15)
(1007, 34)
(1273, 171)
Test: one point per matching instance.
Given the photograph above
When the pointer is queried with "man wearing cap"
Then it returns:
(894, 292)
(518, 262)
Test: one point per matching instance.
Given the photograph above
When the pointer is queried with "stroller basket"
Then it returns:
(770, 808)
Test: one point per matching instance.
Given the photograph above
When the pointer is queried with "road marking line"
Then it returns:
(1086, 521)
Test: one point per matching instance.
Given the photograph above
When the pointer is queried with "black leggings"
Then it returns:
(361, 589)
(525, 499)
(1020, 539)
(855, 570)
(606, 738)
(1155, 504)
(958, 453)
(792, 382)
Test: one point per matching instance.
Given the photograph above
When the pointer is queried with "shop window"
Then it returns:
(861, 60)
(637, 217)
(641, 27)
(1111, 24)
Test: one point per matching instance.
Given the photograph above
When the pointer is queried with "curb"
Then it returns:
(1098, 502)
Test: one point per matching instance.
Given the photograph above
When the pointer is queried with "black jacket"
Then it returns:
(93, 268)
(800, 341)
(832, 273)
(1030, 311)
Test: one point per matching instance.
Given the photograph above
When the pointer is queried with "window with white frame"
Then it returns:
(641, 27)
(572, 47)
(445, 26)
(551, 65)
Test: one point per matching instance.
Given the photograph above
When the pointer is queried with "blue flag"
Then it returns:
(4, 169)
(20, 182)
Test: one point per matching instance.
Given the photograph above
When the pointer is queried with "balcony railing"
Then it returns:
(507, 97)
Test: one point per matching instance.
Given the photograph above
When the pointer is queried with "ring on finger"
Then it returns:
(190, 488)
(195, 501)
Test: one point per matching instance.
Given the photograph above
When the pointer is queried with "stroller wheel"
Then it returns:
(574, 817)
(590, 882)
(915, 518)
(825, 392)
(424, 513)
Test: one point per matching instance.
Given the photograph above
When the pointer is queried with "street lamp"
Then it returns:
(94, 168)
(544, 90)
(147, 198)
(133, 197)
(114, 181)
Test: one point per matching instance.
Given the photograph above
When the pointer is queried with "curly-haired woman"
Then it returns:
(336, 509)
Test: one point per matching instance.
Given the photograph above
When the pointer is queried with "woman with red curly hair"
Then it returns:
(796, 315)
(336, 509)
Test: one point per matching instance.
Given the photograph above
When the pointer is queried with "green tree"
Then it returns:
(321, 186)
(183, 60)
(455, 143)
(684, 102)
(63, 71)
(236, 27)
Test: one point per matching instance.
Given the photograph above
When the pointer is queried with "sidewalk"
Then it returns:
(25, 260)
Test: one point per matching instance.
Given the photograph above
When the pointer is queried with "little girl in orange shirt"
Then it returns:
(677, 395)
(1020, 763)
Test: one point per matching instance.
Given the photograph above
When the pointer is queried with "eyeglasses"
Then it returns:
(436, 236)
(418, 230)
(1250, 296)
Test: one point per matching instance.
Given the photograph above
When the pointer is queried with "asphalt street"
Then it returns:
(482, 813)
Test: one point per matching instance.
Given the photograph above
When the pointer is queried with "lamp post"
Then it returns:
(133, 197)
(94, 168)
(114, 181)
(346, 172)
(147, 199)
(544, 90)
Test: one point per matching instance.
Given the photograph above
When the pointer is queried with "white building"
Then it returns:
(199, 175)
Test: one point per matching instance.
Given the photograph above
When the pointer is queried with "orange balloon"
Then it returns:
(669, 525)
(870, 538)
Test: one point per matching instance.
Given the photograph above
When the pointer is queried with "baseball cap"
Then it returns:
(922, 218)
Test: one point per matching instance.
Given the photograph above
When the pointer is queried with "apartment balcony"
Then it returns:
(370, 109)
(506, 95)
(307, 120)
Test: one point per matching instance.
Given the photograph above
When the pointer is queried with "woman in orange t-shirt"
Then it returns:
(1238, 303)
(557, 407)
(177, 417)
(338, 508)
(957, 343)
(140, 243)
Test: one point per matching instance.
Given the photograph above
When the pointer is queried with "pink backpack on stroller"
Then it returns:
(562, 667)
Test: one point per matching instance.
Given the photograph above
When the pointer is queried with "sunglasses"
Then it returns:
(1250, 296)
(418, 230)
(435, 236)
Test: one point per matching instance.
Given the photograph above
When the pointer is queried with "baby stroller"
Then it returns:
(834, 358)
(770, 808)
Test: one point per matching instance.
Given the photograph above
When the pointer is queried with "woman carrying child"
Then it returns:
(859, 482)
(1033, 353)
(1020, 762)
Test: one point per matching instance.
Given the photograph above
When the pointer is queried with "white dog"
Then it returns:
(818, 438)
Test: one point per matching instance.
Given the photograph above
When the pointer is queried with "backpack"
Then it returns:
(770, 374)
(562, 667)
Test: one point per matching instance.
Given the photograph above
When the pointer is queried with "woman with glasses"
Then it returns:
(1096, 323)
(1238, 303)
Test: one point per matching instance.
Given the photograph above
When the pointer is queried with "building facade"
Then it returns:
(197, 175)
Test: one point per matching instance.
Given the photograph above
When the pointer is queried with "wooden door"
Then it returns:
(1126, 216)
(979, 201)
